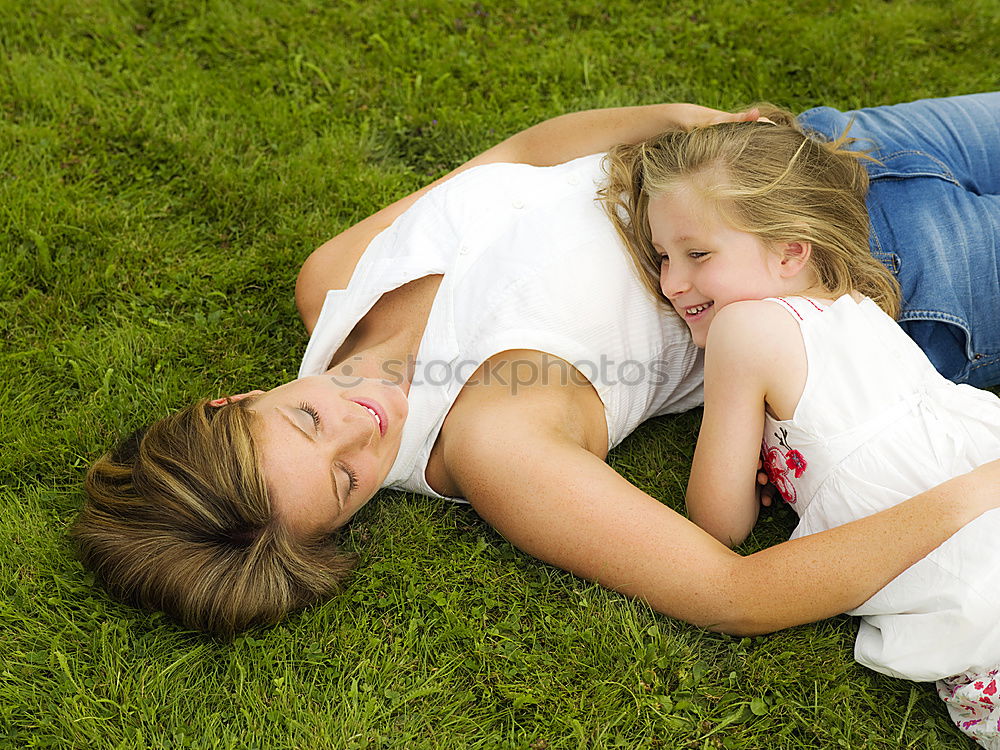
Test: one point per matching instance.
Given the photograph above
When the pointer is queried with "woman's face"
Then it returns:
(326, 444)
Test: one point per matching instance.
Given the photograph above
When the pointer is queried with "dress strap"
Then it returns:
(799, 307)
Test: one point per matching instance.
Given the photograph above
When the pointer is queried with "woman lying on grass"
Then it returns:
(761, 236)
(487, 339)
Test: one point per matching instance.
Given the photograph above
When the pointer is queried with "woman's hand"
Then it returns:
(703, 117)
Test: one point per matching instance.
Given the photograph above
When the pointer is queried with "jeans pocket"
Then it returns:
(908, 163)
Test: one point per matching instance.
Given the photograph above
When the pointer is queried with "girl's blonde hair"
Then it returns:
(178, 519)
(770, 180)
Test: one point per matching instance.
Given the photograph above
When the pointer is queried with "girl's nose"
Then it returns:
(672, 283)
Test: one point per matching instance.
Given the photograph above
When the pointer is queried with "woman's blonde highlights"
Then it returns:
(179, 519)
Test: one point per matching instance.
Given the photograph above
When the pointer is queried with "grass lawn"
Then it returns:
(165, 166)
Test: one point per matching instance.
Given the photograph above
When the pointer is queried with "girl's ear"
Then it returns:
(237, 397)
(794, 257)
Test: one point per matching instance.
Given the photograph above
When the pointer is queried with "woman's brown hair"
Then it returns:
(768, 179)
(178, 519)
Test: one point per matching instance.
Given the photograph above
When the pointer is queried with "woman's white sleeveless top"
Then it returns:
(529, 261)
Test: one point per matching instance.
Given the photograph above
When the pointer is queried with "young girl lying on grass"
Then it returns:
(762, 235)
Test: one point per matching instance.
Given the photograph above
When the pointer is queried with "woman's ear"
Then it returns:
(236, 397)
(794, 257)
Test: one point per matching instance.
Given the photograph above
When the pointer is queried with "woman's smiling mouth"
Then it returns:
(378, 413)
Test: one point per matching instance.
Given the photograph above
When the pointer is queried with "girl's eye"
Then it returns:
(697, 254)
(311, 412)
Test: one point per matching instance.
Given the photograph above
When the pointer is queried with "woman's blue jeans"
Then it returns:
(934, 203)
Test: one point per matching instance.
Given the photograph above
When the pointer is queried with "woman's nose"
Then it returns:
(358, 427)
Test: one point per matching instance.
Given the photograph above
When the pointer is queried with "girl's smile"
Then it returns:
(697, 312)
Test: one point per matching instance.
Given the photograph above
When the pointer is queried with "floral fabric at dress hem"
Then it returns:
(974, 706)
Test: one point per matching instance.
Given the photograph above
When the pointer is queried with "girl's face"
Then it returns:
(706, 264)
(326, 444)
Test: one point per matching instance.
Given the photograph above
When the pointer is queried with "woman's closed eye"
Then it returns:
(352, 476)
(311, 412)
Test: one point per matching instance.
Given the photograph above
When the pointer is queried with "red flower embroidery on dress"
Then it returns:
(779, 463)
(796, 462)
(778, 474)
(990, 689)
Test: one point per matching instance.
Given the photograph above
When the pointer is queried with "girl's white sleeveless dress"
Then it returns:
(876, 424)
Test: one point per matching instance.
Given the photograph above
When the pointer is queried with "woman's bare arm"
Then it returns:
(592, 131)
(565, 506)
(550, 142)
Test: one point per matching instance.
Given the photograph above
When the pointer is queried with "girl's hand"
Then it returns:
(765, 490)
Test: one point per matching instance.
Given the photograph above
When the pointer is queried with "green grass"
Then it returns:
(164, 169)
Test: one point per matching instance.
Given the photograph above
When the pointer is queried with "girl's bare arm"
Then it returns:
(754, 355)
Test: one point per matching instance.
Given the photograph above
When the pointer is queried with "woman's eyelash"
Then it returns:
(352, 477)
(311, 412)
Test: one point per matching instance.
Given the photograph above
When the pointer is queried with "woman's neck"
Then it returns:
(385, 342)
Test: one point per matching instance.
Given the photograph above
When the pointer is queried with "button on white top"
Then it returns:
(517, 204)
